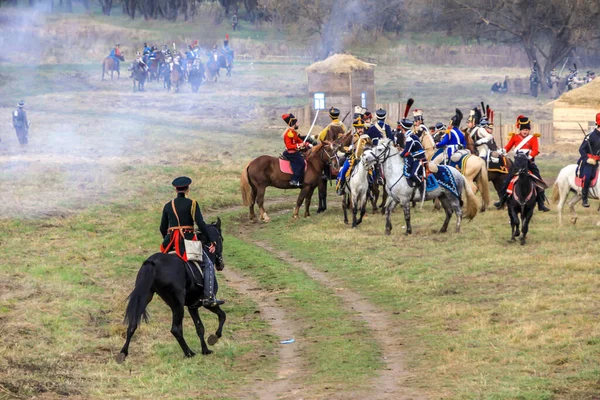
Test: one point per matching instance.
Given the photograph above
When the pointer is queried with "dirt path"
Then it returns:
(290, 362)
(391, 382)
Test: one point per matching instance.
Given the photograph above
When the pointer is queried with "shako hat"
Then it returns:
(334, 113)
(523, 122)
(21, 103)
(358, 123)
(289, 119)
(440, 126)
(405, 123)
(381, 114)
(182, 182)
(368, 115)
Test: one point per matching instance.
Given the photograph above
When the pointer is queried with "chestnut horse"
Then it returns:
(109, 66)
(264, 171)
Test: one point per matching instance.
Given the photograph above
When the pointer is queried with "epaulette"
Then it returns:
(537, 134)
(290, 134)
(511, 134)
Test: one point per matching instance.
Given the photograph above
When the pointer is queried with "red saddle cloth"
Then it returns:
(579, 181)
(515, 178)
(286, 168)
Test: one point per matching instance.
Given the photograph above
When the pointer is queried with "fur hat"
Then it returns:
(418, 115)
(381, 114)
(523, 122)
(289, 119)
(334, 113)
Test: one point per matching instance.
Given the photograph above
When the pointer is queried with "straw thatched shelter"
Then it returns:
(578, 106)
(340, 81)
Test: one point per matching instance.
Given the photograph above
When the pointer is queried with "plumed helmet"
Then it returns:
(523, 122)
(181, 183)
(405, 123)
(381, 114)
(475, 116)
(457, 118)
(289, 119)
(334, 113)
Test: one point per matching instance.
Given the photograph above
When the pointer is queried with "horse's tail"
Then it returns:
(245, 186)
(471, 203)
(138, 299)
(555, 193)
(483, 185)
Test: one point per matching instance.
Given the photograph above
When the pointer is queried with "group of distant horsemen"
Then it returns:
(173, 66)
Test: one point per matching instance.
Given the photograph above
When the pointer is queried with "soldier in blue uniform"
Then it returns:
(20, 123)
(588, 162)
(414, 156)
(454, 139)
(380, 129)
(177, 223)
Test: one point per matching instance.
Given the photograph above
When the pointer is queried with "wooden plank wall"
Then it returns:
(545, 129)
(567, 119)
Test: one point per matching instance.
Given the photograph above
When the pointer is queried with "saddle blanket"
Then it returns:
(499, 166)
(446, 180)
(515, 178)
(432, 183)
(460, 162)
(286, 168)
(579, 180)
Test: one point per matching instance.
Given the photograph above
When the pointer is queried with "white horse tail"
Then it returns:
(471, 205)
(555, 193)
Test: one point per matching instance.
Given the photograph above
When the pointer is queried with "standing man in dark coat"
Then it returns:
(177, 224)
(21, 123)
(587, 166)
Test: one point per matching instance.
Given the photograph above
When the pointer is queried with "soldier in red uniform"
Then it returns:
(293, 145)
(526, 143)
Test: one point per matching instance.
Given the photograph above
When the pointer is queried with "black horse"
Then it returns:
(165, 73)
(523, 198)
(196, 76)
(170, 277)
(139, 74)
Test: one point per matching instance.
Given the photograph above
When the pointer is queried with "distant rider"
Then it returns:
(454, 139)
(20, 123)
(115, 53)
(587, 166)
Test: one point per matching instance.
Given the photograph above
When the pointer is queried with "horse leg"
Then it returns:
(526, 220)
(354, 212)
(252, 216)
(322, 196)
(363, 210)
(572, 203)
(260, 200)
(389, 207)
(345, 203)
(514, 223)
(375, 193)
(199, 329)
(307, 205)
(131, 328)
(384, 198)
(303, 194)
(443, 200)
(177, 326)
(213, 339)
(406, 209)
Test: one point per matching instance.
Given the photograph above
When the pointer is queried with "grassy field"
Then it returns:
(479, 318)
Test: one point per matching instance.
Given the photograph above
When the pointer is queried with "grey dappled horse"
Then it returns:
(400, 192)
(355, 192)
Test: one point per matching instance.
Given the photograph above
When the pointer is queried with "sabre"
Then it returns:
(312, 126)
(346, 116)
(585, 134)
(423, 187)
(563, 67)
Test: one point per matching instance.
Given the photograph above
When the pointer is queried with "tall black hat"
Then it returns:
(289, 119)
(334, 113)
(457, 118)
(381, 113)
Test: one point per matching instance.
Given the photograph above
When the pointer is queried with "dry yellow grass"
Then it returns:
(587, 95)
(339, 64)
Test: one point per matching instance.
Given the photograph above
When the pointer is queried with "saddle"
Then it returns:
(458, 155)
(496, 162)
(579, 181)
(459, 159)
(285, 166)
(537, 183)
(193, 271)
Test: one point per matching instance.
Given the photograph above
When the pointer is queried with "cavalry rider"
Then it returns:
(20, 123)
(139, 63)
(166, 52)
(403, 131)
(526, 143)
(335, 129)
(424, 135)
(414, 155)
(353, 153)
(380, 129)
(439, 131)
(115, 53)
(587, 166)
(454, 140)
(147, 49)
(476, 128)
(293, 145)
(177, 224)
(367, 118)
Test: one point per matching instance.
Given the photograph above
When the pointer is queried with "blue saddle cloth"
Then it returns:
(459, 164)
(432, 183)
(446, 180)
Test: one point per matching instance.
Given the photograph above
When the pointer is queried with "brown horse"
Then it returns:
(264, 171)
(495, 176)
(176, 77)
(154, 67)
(108, 65)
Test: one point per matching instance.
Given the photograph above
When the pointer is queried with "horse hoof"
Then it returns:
(206, 352)
(346, 222)
(119, 358)
(522, 242)
(267, 220)
(190, 354)
(212, 340)
(574, 220)
(388, 232)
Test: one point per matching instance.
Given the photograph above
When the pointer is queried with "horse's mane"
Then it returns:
(314, 150)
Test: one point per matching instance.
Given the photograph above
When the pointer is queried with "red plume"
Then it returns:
(227, 36)
(491, 112)
(409, 104)
(518, 118)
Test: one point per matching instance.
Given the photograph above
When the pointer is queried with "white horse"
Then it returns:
(355, 192)
(565, 182)
(399, 191)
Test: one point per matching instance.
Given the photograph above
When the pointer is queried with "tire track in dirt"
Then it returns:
(290, 361)
(390, 384)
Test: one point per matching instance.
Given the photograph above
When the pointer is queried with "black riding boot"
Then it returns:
(500, 203)
(541, 198)
(585, 191)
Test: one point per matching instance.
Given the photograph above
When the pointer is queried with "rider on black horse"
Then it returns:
(177, 224)
(528, 144)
